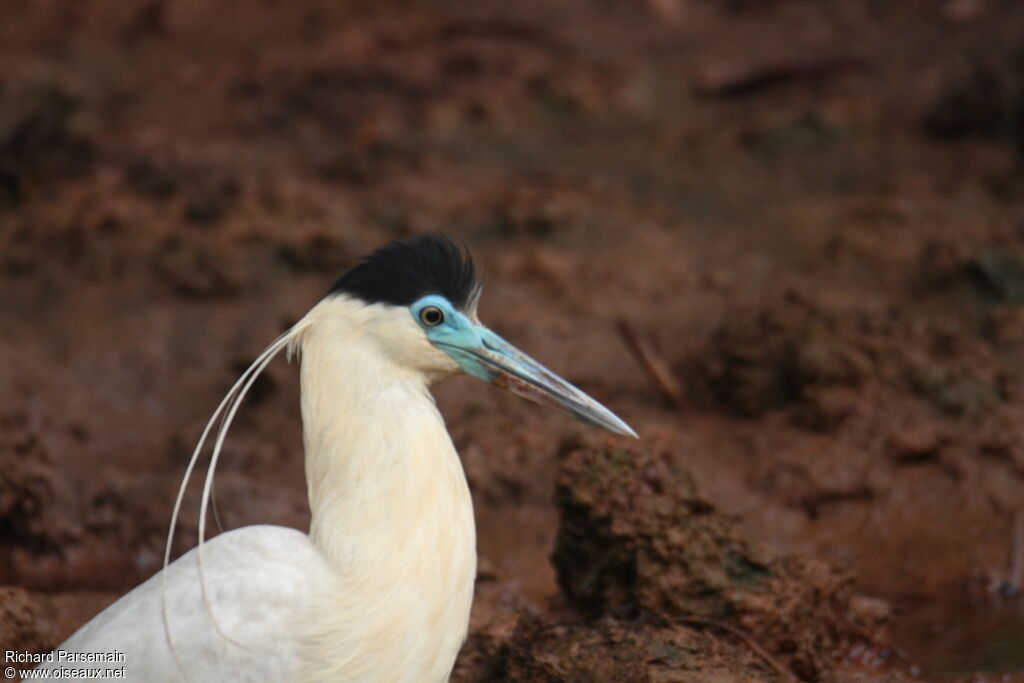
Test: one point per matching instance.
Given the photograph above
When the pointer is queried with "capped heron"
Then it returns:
(380, 589)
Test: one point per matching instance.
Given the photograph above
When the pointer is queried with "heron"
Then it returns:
(380, 588)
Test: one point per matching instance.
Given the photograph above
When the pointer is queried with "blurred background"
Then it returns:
(784, 239)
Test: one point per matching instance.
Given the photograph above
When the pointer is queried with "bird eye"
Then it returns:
(432, 316)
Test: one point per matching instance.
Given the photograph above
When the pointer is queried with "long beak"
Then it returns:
(491, 358)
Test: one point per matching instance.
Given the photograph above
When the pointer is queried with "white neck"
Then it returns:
(390, 507)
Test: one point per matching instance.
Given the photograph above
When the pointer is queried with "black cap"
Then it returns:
(404, 271)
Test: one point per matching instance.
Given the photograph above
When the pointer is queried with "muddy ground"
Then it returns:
(783, 239)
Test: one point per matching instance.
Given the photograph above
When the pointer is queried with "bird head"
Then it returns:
(424, 294)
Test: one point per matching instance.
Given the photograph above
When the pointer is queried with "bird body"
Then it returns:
(381, 587)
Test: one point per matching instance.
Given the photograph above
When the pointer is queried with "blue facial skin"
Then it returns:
(455, 333)
(484, 355)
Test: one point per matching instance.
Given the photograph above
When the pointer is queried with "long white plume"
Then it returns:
(228, 408)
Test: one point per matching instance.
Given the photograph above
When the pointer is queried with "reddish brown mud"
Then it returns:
(806, 216)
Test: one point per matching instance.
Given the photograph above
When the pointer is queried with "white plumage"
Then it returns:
(381, 587)
(260, 581)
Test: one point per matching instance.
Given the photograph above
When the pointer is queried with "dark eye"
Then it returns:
(432, 316)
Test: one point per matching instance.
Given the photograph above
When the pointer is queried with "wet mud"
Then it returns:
(782, 239)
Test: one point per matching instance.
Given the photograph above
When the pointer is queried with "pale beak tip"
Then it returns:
(618, 426)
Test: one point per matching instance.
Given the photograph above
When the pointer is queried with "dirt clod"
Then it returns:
(27, 491)
(634, 535)
(42, 135)
(21, 624)
(609, 649)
